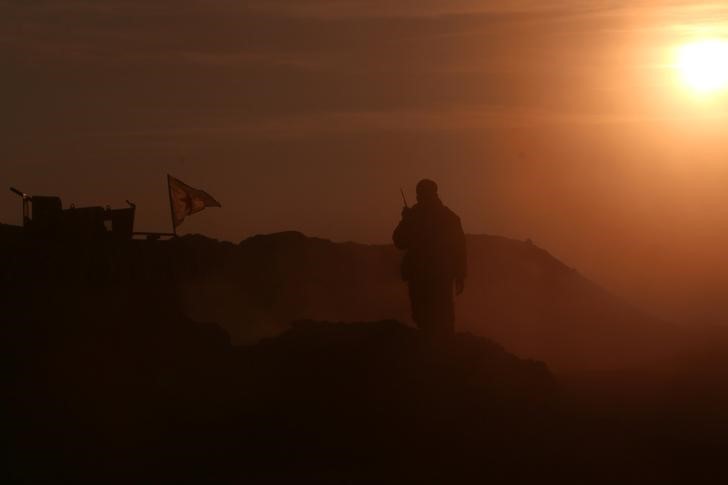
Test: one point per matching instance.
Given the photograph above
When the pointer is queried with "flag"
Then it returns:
(185, 200)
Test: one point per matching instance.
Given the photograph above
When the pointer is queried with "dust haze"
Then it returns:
(271, 340)
(556, 121)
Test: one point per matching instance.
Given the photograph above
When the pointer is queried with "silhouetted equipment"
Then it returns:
(404, 199)
(44, 216)
(26, 204)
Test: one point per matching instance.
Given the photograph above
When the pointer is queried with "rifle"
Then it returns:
(404, 199)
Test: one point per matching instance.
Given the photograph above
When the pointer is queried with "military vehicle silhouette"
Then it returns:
(45, 217)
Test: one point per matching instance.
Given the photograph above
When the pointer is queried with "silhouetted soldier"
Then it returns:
(435, 260)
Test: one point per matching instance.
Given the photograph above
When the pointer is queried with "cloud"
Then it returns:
(81, 65)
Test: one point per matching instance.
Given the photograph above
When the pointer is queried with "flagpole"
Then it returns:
(171, 207)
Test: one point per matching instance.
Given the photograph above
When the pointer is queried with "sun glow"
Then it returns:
(703, 65)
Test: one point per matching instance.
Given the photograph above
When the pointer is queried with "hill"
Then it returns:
(517, 294)
(110, 380)
(108, 386)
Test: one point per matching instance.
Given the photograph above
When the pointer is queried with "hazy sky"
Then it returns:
(560, 121)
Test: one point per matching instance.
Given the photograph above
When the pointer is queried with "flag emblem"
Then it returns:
(185, 200)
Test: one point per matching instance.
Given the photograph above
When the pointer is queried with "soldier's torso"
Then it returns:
(432, 240)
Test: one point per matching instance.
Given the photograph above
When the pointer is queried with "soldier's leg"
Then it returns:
(421, 302)
(432, 305)
(418, 299)
(443, 306)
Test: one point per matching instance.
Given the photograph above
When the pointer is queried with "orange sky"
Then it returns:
(561, 121)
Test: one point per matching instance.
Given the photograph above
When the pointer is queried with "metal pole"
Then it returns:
(171, 207)
(26, 200)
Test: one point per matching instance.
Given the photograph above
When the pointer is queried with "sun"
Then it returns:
(703, 65)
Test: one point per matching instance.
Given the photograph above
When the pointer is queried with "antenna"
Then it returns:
(16, 191)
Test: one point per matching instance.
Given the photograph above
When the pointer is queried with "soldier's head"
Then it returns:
(426, 190)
